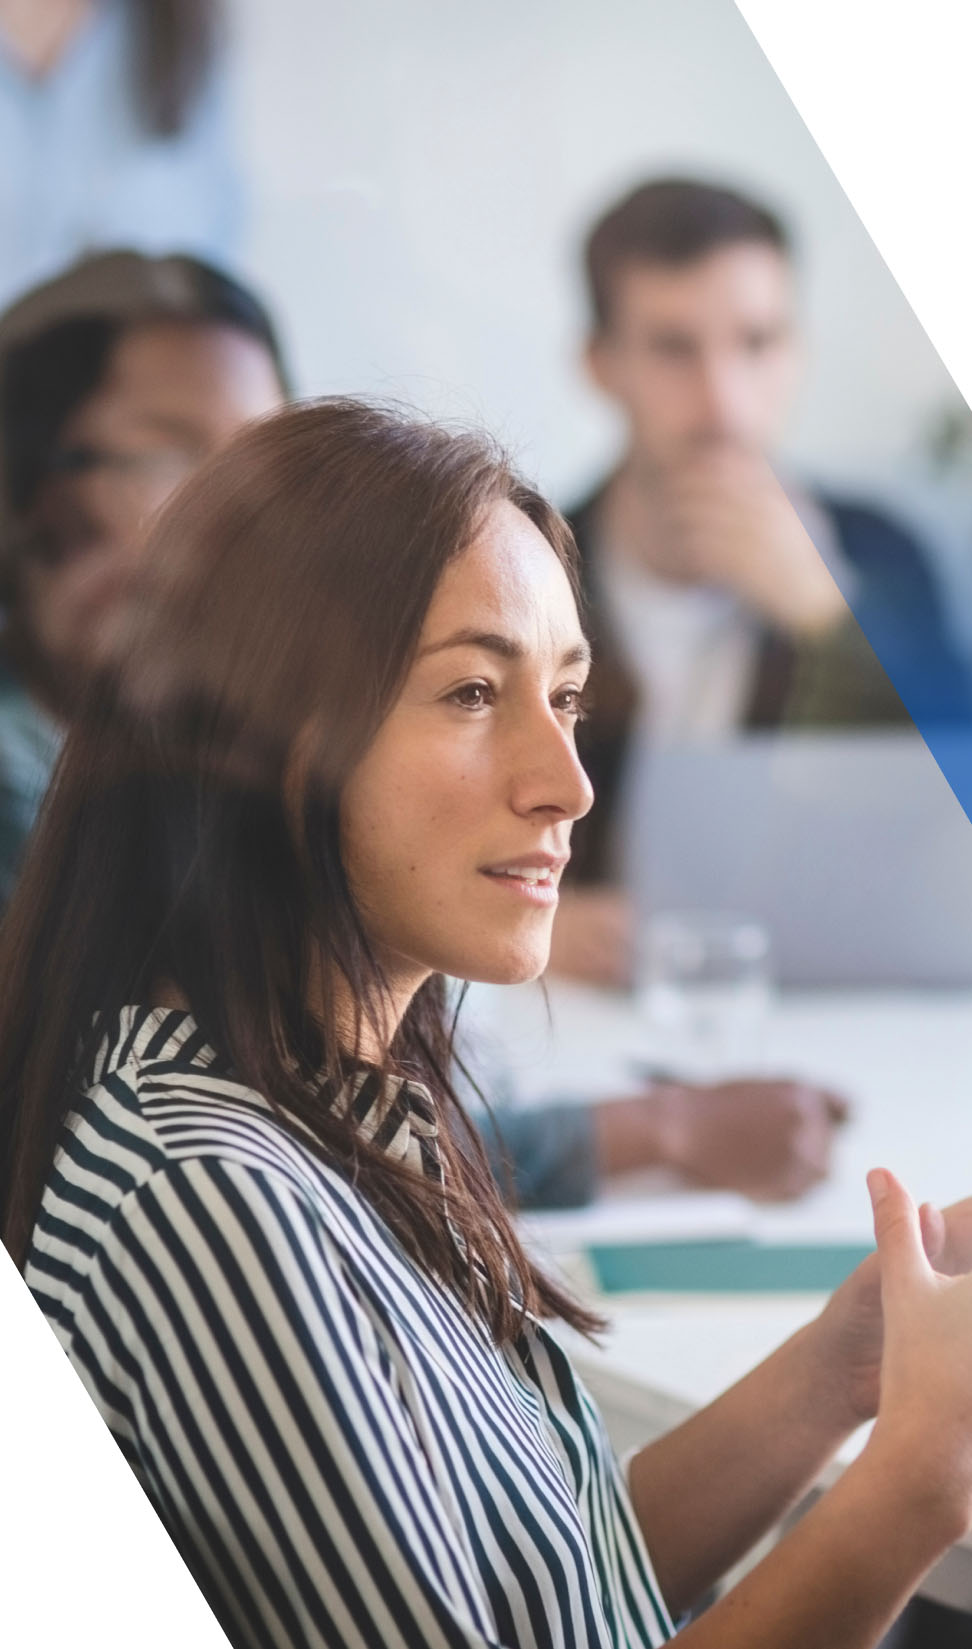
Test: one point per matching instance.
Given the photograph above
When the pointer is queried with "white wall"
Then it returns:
(423, 170)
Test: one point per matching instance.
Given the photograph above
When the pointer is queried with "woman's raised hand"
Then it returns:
(924, 1418)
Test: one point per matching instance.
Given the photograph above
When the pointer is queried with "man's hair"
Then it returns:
(671, 221)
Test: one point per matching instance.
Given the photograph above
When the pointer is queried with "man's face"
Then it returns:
(700, 353)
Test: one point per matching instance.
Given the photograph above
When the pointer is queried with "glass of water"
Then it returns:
(705, 983)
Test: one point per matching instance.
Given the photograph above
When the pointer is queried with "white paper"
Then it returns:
(681, 1216)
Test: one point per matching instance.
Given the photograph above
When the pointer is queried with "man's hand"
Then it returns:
(724, 519)
(771, 1140)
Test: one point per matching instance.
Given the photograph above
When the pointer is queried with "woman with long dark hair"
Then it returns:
(117, 378)
(335, 763)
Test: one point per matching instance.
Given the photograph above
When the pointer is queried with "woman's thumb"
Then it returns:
(897, 1229)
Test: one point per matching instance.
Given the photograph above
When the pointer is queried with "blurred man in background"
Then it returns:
(720, 597)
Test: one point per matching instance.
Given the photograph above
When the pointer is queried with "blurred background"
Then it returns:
(407, 187)
(420, 178)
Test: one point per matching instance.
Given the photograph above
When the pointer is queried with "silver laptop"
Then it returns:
(849, 847)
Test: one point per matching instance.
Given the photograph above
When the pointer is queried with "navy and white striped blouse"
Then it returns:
(341, 1454)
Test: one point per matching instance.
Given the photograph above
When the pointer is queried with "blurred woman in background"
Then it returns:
(115, 131)
(335, 761)
(116, 379)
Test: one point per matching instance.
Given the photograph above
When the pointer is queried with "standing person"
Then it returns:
(719, 597)
(336, 762)
(116, 379)
(115, 131)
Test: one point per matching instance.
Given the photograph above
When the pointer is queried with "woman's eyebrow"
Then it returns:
(490, 641)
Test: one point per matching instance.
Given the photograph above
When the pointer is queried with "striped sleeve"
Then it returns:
(265, 1408)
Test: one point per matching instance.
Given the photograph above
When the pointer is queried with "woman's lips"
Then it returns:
(537, 884)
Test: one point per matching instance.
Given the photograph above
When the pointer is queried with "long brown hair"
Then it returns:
(285, 588)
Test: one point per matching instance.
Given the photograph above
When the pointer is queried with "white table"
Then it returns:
(903, 1059)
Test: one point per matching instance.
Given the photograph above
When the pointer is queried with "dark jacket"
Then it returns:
(891, 661)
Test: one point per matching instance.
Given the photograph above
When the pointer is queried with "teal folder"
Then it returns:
(737, 1267)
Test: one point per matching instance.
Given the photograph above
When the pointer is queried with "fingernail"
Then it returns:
(877, 1183)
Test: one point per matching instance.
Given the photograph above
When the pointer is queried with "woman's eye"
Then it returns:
(474, 695)
(571, 701)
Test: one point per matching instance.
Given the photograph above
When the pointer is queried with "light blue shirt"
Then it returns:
(79, 173)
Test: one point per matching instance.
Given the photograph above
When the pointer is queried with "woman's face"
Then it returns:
(456, 823)
(174, 392)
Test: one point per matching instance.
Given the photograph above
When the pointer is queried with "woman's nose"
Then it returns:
(550, 775)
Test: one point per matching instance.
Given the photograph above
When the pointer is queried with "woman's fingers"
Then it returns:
(933, 1232)
(957, 1253)
(898, 1231)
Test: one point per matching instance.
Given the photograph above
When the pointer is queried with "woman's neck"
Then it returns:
(373, 1040)
(368, 1036)
(166, 994)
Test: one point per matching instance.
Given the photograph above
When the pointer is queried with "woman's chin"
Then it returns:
(512, 966)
